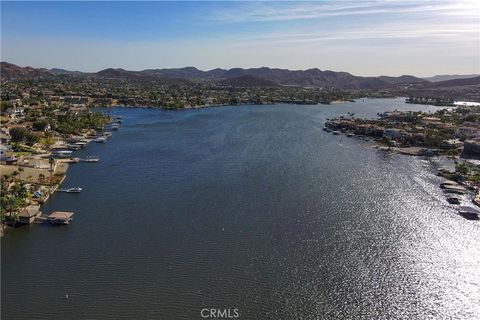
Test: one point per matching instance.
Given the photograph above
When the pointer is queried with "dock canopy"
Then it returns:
(60, 217)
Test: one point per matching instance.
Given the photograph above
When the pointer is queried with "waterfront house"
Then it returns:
(28, 214)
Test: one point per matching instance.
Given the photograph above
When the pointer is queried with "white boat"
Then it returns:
(82, 144)
(71, 190)
(448, 183)
(74, 146)
(454, 189)
(91, 159)
(72, 160)
(62, 153)
(100, 140)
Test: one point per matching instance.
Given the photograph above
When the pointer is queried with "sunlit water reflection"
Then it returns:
(251, 207)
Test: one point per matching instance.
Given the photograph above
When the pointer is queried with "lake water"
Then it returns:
(252, 208)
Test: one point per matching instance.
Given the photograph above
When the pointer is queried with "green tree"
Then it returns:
(4, 105)
(452, 153)
(48, 140)
(462, 168)
(32, 138)
(18, 134)
(386, 141)
(40, 125)
(12, 200)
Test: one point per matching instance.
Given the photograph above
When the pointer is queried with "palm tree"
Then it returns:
(51, 161)
(49, 140)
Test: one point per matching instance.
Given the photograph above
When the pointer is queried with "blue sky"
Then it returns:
(362, 37)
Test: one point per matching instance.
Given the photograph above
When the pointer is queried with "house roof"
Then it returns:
(29, 211)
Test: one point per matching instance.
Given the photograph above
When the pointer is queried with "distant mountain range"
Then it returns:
(457, 82)
(238, 77)
(285, 77)
(445, 77)
(58, 71)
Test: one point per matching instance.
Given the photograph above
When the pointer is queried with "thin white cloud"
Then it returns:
(267, 11)
(424, 38)
(459, 33)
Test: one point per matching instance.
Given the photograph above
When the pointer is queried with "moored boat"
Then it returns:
(469, 213)
(72, 160)
(71, 190)
(100, 140)
(61, 153)
(448, 183)
(454, 189)
(74, 146)
(454, 198)
(91, 159)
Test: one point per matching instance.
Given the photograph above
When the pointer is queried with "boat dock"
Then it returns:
(56, 217)
(60, 217)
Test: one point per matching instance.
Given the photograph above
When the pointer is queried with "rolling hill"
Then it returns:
(236, 76)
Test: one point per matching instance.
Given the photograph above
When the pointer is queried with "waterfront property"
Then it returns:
(28, 214)
(447, 131)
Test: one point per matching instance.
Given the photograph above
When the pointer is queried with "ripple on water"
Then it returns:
(252, 208)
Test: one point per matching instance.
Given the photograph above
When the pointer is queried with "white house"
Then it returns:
(15, 112)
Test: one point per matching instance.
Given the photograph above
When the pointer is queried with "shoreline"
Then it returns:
(421, 151)
(46, 189)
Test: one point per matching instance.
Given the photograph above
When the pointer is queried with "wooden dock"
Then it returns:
(56, 217)
(60, 217)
